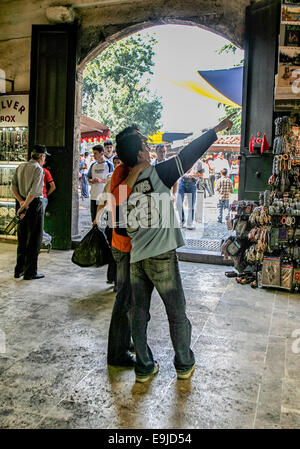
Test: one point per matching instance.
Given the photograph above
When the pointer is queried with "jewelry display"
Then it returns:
(13, 151)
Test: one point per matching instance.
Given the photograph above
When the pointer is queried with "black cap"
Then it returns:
(40, 149)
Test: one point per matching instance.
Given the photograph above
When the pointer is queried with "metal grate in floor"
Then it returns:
(209, 245)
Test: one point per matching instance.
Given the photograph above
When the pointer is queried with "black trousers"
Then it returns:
(119, 334)
(94, 207)
(30, 232)
(112, 266)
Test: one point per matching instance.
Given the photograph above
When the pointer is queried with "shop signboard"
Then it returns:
(287, 80)
(13, 110)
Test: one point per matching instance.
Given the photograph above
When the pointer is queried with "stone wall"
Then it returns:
(102, 22)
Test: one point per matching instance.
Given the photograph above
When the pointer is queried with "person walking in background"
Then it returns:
(224, 188)
(188, 185)
(161, 152)
(49, 187)
(108, 150)
(84, 165)
(205, 179)
(212, 177)
(105, 203)
(219, 163)
(27, 188)
(97, 175)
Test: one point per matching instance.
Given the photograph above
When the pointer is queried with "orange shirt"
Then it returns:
(120, 242)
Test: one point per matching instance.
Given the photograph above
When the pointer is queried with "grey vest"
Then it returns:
(151, 220)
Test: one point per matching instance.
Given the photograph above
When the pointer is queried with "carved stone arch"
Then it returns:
(94, 40)
(110, 34)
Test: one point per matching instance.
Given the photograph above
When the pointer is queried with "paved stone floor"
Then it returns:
(53, 372)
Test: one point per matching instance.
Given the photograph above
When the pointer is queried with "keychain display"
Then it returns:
(269, 232)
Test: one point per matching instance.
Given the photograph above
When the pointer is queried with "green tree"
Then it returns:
(237, 119)
(115, 86)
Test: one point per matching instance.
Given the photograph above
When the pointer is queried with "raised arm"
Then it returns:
(171, 170)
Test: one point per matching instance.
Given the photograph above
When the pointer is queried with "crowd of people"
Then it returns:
(203, 175)
(145, 235)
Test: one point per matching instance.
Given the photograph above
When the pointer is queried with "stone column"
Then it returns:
(76, 153)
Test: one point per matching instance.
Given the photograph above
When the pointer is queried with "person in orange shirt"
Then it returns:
(119, 337)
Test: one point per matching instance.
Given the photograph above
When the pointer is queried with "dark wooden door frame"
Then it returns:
(258, 101)
(59, 220)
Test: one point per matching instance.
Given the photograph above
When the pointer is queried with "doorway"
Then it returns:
(55, 77)
(208, 231)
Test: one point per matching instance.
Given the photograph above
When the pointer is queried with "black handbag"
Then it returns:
(93, 249)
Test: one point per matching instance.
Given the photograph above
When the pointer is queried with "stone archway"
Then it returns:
(97, 49)
(102, 21)
(99, 23)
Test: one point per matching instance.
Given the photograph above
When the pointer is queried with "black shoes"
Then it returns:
(36, 276)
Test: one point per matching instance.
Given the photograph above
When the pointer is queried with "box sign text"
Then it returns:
(13, 111)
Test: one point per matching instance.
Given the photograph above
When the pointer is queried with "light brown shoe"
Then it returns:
(185, 374)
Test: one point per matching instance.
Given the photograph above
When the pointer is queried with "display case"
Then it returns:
(13, 151)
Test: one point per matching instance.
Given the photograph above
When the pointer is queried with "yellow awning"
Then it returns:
(156, 138)
(201, 87)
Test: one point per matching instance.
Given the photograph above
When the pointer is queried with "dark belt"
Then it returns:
(193, 180)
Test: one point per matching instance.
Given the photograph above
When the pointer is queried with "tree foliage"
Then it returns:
(115, 86)
(236, 119)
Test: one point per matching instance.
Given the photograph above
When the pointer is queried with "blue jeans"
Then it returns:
(189, 188)
(84, 186)
(47, 238)
(119, 336)
(222, 205)
(161, 272)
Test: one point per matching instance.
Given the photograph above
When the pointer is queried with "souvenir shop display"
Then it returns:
(268, 233)
(13, 144)
(287, 93)
(13, 151)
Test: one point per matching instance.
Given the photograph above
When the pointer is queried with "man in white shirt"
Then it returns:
(108, 150)
(161, 152)
(219, 163)
(97, 177)
(27, 188)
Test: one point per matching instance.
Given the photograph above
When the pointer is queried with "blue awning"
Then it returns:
(170, 137)
(161, 137)
(224, 86)
(227, 82)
